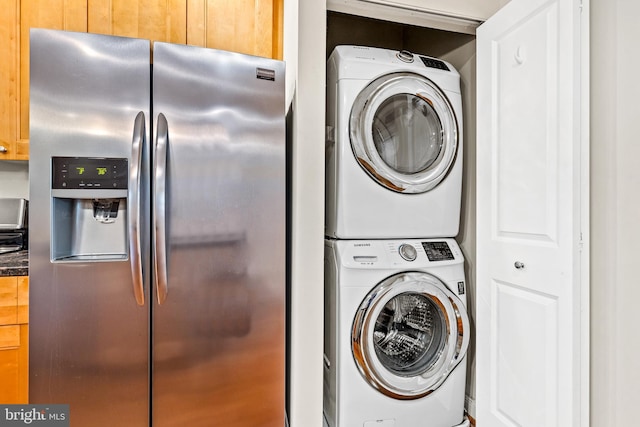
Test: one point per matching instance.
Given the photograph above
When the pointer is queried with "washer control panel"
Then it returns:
(414, 253)
(438, 251)
(419, 253)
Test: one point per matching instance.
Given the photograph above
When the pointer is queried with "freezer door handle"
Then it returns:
(159, 208)
(135, 168)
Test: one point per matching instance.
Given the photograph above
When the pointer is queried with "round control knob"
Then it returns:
(408, 252)
(405, 56)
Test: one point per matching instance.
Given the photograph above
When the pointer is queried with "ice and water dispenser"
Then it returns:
(89, 208)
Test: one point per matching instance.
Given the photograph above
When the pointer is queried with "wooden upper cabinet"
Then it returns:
(247, 26)
(68, 15)
(156, 20)
(9, 79)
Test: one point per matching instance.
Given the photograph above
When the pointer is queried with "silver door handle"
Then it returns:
(133, 195)
(159, 207)
(464, 332)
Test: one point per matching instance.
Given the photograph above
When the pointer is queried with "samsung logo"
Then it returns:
(361, 244)
(265, 74)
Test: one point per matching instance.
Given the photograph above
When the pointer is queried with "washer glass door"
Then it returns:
(408, 335)
(404, 132)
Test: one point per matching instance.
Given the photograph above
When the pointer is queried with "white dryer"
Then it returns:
(394, 145)
(396, 333)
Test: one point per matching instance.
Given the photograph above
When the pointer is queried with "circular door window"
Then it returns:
(409, 333)
(404, 132)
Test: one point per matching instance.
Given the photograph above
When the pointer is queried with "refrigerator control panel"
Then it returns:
(86, 173)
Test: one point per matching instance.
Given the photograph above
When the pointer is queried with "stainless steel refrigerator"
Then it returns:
(157, 232)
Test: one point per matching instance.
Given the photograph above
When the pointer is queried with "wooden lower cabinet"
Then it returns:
(14, 340)
(14, 364)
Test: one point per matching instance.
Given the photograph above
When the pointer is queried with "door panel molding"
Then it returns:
(532, 273)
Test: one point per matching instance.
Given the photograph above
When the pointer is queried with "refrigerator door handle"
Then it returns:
(135, 255)
(159, 208)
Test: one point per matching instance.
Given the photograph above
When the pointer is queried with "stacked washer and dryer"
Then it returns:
(396, 325)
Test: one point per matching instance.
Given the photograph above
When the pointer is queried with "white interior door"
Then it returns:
(532, 337)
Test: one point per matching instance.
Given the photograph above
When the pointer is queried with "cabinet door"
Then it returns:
(55, 14)
(156, 20)
(14, 364)
(8, 301)
(9, 78)
(14, 340)
(253, 27)
(532, 216)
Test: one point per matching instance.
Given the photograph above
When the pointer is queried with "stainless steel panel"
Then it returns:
(219, 337)
(88, 337)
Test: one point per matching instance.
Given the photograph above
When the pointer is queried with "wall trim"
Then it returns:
(470, 405)
(405, 15)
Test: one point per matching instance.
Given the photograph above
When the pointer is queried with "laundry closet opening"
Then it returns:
(459, 49)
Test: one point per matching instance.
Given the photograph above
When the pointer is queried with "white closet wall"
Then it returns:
(480, 10)
(14, 179)
(615, 212)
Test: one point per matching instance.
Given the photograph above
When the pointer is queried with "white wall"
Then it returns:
(480, 10)
(305, 29)
(464, 59)
(615, 212)
(14, 179)
(454, 15)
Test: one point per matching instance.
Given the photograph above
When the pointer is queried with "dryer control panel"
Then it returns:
(434, 63)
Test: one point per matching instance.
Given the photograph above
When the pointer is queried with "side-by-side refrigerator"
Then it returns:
(157, 233)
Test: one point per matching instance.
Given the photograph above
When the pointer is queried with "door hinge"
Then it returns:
(580, 5)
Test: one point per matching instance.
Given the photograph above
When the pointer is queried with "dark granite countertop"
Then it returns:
(14, 263)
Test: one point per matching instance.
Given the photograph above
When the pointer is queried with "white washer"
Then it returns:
(396, 333)
(394, 145)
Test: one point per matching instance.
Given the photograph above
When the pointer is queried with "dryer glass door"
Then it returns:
(404, 132)
(408, 335)
(407, 133)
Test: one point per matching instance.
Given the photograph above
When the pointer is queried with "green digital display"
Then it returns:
(84, 172)
(89, 172)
